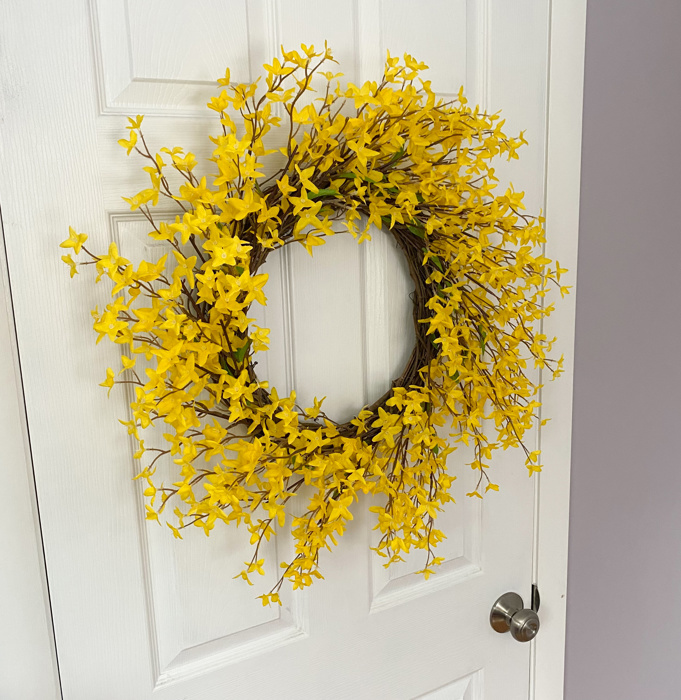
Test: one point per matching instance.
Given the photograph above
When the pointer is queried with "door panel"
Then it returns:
(138, 613)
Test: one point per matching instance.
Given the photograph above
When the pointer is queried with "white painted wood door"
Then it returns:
(136, 613)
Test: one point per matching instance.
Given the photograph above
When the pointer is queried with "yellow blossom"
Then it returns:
(75, 241)
(70, 262)
(109, 381)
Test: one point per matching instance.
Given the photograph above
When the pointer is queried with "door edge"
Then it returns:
(567, 34)
(28, 657)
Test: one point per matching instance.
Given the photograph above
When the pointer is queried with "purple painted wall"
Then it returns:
(624, 589)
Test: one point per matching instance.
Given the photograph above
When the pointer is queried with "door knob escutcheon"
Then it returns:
(509, 615)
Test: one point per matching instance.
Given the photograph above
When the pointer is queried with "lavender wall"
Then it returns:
(624, 589)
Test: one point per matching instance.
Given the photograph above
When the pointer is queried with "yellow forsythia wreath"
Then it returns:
(388, 154)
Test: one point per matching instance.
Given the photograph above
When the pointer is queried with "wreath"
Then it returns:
(386, 156)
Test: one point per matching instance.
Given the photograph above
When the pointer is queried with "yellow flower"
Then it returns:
(316, 410)
(75, 241)
(130, 143)
(175, 531)
(135, 123)
(225, 80)
(127, 362)
(72, 265)
(109, 381)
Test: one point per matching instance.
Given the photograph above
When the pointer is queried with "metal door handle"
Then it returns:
(509, 615)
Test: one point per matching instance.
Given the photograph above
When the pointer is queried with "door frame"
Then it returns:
(24, 598)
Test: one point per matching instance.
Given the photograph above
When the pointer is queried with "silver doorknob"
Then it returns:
(509, 615)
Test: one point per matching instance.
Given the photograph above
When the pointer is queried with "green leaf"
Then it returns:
(436, 450)
(483, 336)
(417, 231)
(241, 352)
(327, 192)
(229, 269)
(397, 155)
(226, 367)
(456, 376)
(352, 176)
(435, 259)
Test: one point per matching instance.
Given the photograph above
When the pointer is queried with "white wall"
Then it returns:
(624, 592)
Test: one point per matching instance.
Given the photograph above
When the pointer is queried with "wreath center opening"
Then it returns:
(341, 322)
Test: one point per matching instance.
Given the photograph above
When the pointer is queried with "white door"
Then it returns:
(138, 614)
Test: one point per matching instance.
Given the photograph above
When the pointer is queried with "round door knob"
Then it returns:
(524, 625)
(509, 615)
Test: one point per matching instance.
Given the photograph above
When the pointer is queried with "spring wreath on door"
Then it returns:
(386, 155)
